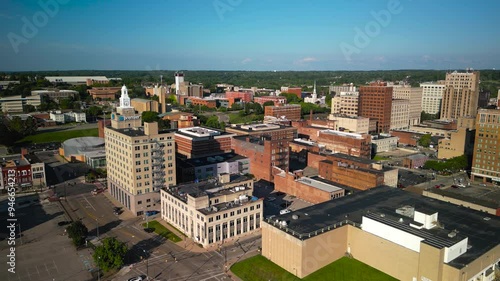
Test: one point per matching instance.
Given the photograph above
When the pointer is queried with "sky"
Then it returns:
(261, 35)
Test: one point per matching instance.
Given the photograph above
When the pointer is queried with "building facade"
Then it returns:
(200, 142)
(375, 102)
(277, 100)
(351, 124)
(346, 103)
(400, 114)
(353, 144)
(461, 95)
(290, 111)
(432, 96)
(485, 162)
(211, 212)
(422, 241)
(141, 105)
(16, 104)
(140, 160)
(414, 96)
(209, 167)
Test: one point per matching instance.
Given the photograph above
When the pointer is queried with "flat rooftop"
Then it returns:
(136, 132)
(259, 127)
(210, 188)
(199, 132)
(380, 203)
(226, 157)
(328, 187)
(343, 134)
(353, 158)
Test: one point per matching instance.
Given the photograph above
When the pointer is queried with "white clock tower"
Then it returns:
(125, 99)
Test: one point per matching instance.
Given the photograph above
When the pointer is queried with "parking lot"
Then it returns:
(43, 251)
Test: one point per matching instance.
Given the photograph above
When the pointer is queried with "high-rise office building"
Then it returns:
(485, 161)
(414, 96)
(346, 103)
(140, 159)
(461, 95)
(432, 95)
(375, 102)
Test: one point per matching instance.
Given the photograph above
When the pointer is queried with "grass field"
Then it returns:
(259, 268)
(379, 158)
(162, 231)
(59, 136)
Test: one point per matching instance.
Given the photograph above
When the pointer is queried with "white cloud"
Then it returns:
(379, 59)
(247, 60)
(306, 60)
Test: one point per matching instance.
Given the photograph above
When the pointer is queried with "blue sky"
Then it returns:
(249, 34)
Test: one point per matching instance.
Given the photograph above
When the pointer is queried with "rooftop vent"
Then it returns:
(486, 218)
(401, 220)
(295, 217)
(452, 234)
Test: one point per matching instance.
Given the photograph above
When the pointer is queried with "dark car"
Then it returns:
(151, 213)
(279, 193)
(454, 186)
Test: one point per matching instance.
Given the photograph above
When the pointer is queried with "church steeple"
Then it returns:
(314, 95)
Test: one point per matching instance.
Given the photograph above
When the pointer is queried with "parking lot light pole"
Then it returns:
(98, 269)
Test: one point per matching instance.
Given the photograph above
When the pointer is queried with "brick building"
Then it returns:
(104, 93)
(358, 145)
(291, 90)
(263, 153)
(314, 190)
(375, 102)
(278, 100)
(238, 97)
(199, 142)
(356, 172)
(179, 120)
(22, 172)
(195, 101)
(275, 131)
(406, 137)
(290, 111)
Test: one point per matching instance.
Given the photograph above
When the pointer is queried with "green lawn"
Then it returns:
(162, 231)
(379, 158)
(259, 268)
(235, 118)
(59, 136)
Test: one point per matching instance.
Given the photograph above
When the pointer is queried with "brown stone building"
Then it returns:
(358, 145)
(356, 172)
(290, 111)
(104, 93)
(461, 95)
(264, 153)
(375, 102)
(179, 120)
(314, 190)
(199, 142)
(406, 137)
(485, 161)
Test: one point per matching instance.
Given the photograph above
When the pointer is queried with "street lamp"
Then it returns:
(98, 269)
(97, 223)
(147, 264)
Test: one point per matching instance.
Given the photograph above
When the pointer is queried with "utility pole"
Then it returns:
(147, 264)
(97, 223)
(98, 269)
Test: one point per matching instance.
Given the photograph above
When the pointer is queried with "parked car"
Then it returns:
(137, 278)
(454, 186)
(285, 211)
(62, 223)
(151, 213)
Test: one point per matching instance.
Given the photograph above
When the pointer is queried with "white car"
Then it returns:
(285, 211)
(138, 278)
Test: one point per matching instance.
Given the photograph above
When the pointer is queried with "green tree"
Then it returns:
(28, 108)
(77, 231)
(425, 140)
(291, 98)
(21, 127)
(155, 98)
(427, 116)
(150, 116)
(111, 254)
(213, 122)
(94, 111)
(66, 103)
(268, 103)
(257, 108)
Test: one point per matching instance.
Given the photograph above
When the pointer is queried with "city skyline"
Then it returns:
(248, 35)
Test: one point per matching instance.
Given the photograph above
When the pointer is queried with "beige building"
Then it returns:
(140, 160)
(384, 142)
(485, 161)
(213, 211)
(414, 96)
(346, 103)
(461, 95)
(400, 233)
(16, 104)
(432, 95)
(460, 141)
(141, 105)
(400, 114)
(353, 124)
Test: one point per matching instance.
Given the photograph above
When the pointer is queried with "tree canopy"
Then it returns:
(425, 140)
(111, 254)
(451, 165)
(77, 232)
